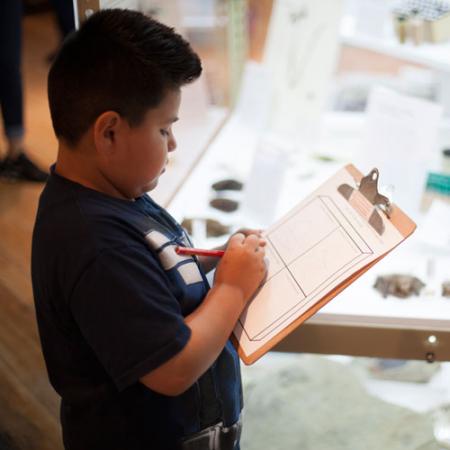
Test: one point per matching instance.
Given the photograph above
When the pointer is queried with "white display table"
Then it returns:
(359, 321)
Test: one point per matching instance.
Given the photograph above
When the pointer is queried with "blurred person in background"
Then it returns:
(15, 163)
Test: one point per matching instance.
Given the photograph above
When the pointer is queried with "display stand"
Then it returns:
(434, 56)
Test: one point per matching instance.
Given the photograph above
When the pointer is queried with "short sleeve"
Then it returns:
(127, 313)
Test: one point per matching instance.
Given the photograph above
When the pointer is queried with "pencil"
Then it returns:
(199, 252)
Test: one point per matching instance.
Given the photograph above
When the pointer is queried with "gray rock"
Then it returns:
(311, 403)
(398, 285)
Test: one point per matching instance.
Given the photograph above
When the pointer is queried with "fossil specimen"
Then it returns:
(446, 288)
(224, 204)
(227, 185)
(398, 285)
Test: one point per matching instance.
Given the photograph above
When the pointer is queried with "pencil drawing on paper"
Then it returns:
(308, 252)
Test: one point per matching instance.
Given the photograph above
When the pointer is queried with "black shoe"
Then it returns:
(7, 172)
(22, 168)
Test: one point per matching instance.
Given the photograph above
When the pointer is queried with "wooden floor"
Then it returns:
(28, 405)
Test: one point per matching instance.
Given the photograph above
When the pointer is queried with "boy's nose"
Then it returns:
(172, 145)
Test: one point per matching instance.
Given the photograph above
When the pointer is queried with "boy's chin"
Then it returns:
(152, 184)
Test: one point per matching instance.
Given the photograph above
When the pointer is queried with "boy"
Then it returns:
(134, 341)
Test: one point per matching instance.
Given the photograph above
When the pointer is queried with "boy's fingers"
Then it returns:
(236, 239)
(260, 250)
(252, 241)
(250, 231)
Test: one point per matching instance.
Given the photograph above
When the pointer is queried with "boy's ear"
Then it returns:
(107, 128)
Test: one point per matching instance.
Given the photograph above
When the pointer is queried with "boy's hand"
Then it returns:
(246, 232)
(243, 265)
(209, 263)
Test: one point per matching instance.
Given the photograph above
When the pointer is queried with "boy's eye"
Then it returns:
(164, 132)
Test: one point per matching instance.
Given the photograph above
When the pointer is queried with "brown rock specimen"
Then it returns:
(224, 204)
(446, 288)
(215, 229)
(228, 184)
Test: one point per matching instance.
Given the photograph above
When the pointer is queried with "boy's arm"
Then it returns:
(209, 263)
(239, 275)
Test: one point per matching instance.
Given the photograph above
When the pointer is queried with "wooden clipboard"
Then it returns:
(397, 217)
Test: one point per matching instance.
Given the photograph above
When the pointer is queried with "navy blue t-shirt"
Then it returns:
(111, 295)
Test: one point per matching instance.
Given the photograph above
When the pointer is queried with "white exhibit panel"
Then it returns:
(300, 54)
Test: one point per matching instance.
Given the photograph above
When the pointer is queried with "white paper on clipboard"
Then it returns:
(317, 246)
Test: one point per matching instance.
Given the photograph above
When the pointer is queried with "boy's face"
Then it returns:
(142, 152)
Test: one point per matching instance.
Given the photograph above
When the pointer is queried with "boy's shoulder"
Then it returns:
(71, 215)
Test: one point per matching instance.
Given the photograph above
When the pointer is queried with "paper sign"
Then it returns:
(400, 140)
(264, 184)
(253, 104)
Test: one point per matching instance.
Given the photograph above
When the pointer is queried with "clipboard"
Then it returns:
(376, 215)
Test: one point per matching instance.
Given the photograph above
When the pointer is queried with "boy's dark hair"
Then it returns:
(119, 60)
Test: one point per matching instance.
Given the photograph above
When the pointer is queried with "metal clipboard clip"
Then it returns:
(367, 201)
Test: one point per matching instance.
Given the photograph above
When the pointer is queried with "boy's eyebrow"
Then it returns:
(172, 119)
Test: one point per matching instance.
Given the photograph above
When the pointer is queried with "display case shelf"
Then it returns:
(435, 56)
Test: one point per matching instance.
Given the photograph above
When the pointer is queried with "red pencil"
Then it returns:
(199, 252)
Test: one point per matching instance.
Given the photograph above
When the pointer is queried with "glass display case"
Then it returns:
(384, 394)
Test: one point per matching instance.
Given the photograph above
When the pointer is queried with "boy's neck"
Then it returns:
(79, 165)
